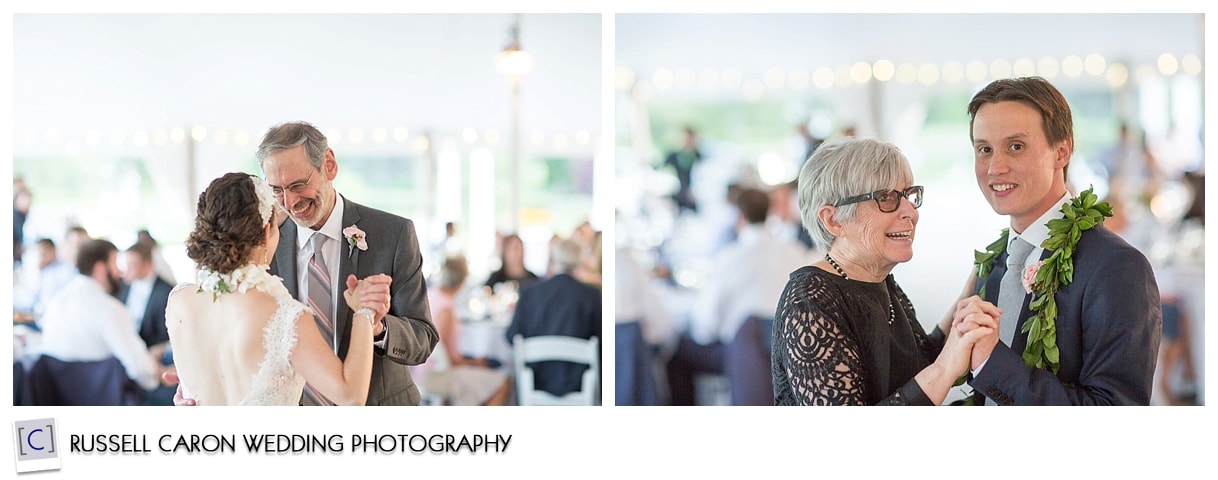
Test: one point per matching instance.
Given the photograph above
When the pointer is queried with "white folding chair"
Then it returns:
(555, 348)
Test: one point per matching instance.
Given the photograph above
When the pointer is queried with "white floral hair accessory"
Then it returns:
(266, 198)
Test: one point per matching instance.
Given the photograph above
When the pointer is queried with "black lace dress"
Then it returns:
(833, 343)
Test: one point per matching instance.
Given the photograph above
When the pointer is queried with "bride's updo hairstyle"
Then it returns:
(228, 224)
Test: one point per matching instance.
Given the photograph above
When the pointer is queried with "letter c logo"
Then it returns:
(28, 439)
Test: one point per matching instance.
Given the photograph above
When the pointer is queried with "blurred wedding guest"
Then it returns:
(450, 245)
(809, 142)
(53, 275)
(644, 333)
(84, 322)
(590, 262)
(584, 233)
(1175, 354)
(73, 239)
(458, 380)
(783, 220)
(682, 162)
(1130, 166)
(511, 267)
(145, 297)
(159, 265)
(745, 281)
(845, 333)
(21, 211)
(560, 305)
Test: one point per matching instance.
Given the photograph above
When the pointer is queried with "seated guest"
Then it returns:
(72, 241)
(560, 305)
(459, 380)
(159, 265)
(589, 270)
(746, 280)
(146, 297)
(53, 274)
(511, 265)
(644, 332)
(84, 322)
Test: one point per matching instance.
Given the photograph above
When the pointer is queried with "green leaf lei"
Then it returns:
(1081, 213)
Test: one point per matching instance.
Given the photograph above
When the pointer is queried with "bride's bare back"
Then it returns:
(220, 346)
(256, 346)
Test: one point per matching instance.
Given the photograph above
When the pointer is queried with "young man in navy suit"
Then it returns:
(1108, 318)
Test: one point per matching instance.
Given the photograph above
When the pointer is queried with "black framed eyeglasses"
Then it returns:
(296, 188)
(887, 200)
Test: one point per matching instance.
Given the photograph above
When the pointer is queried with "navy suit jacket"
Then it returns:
(1108, 328)
(393, 249)
(560, 305)
(152, 326)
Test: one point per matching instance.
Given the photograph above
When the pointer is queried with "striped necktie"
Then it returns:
(320, 295)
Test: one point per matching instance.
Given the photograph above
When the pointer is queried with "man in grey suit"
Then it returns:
(354, 242)
(1108, 319)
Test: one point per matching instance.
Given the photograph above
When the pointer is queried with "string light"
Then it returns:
(1117, 75)
(1168, 65)
(860, 72)
(1024, 67)
(883, 70)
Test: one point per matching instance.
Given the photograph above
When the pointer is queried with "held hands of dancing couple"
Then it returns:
(971, 332)
(976, 321)
(346, 382)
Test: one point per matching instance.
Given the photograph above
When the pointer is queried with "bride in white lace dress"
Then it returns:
(238, 336)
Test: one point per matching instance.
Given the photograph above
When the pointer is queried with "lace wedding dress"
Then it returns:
(275, 382)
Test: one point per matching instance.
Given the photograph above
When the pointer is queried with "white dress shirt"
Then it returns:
(331, 249)
(747, 279)
(51, 279)
(1035, 234)
(636, 300)
(83, 323)
(137, 299)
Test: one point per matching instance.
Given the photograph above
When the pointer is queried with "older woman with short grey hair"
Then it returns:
(845, 333)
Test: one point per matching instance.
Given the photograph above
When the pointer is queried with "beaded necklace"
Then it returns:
(892, 311)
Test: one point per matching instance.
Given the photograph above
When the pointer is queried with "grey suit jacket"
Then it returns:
(393, 249)
(1108, 328)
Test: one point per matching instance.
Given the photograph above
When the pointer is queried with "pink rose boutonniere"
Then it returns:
(1029, 275)
(356, 237)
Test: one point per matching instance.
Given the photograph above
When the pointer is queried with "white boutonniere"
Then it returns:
(356, 237)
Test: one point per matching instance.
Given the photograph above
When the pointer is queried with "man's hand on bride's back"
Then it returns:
(170, 377)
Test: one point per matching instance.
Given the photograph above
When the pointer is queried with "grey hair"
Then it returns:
(291, 135)
(844, 168)
(566, 255)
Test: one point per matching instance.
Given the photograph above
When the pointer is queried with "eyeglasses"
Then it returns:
(296, 188)
(887, 200)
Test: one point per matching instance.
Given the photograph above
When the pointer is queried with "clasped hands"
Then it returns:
(371, 293)
(973, 334)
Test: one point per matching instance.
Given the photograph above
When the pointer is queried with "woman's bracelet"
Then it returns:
(367, 311)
